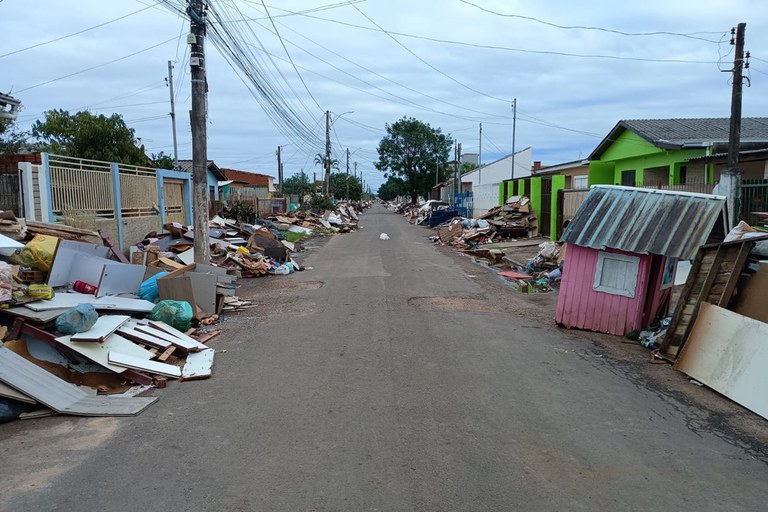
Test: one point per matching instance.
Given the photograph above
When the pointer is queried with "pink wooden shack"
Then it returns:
(623, 246)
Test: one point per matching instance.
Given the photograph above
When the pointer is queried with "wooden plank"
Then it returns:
(157, 333)
(167, 353)
(130, 332)
(199, 365)
(727, 352)
(61, 301)
(189, 340)
(158, 368)
(61, 396)
(103, 328)
(738, 266)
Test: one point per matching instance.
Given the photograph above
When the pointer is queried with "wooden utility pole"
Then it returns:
(347, 174)
(173, 116)
(730, 178)
(327, 178)
(280, 169)
(197, 118)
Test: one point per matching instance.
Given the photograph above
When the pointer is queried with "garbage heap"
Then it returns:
(85, 329)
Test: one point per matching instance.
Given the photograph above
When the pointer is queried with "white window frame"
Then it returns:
(633, 274)
(585, 179)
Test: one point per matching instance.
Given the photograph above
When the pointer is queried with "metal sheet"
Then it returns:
(727, 352)
(61, 396)
(644, 221)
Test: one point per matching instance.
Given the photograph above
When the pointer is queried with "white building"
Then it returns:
(484, 181)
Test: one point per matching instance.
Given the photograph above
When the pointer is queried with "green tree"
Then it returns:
(413, 150)
(339, 184)
(85, 135)
(298, 184)
(163, 161)
(12, 140)
(392, 188)
(320, 160)
(467, 167)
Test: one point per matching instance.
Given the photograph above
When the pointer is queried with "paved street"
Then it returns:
(351, 394)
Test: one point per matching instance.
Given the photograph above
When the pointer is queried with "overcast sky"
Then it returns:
(373, 62)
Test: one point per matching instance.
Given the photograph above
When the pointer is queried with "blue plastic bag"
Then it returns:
(78, 319)
(176, 313)
(148, 289)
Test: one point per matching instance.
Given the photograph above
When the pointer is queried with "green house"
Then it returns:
(656, 152)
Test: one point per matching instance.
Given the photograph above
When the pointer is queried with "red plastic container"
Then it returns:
(83, 287)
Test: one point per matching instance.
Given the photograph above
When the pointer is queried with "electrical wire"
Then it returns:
(601, 29)
(124, 57)
(75, 33)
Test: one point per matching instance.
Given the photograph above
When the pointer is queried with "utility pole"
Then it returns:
(280, 169)
(197, 116)
(730, 178)
(455, 173)
(458, 169)
(327, 179)
(514, 123)
(480, 157)
(347, 174)
(173, 116)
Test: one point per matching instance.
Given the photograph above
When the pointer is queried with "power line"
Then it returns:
(601, 29)
(97, 66)
(75, 33)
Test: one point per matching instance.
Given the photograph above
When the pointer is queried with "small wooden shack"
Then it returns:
(623, 247)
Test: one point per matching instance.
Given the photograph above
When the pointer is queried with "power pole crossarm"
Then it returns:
(199, 136)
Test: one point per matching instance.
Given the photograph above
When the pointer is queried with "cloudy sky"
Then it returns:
(576, 68)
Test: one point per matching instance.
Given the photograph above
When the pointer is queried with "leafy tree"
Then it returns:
(12, 140)
(339, 184)
(163, 161)
(467, 167)
(412, 149)
(85, 135)
(320, 160)
(392, 188)
(298, 184)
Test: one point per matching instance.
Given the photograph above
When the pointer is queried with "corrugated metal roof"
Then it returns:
(644, 221)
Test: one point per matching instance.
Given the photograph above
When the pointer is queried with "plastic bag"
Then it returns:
(78, 319)
(6, 273)
(176, 313)
(148, 289)
(38, 253)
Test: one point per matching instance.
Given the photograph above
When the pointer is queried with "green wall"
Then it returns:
(535, 196)
(632, 152)
(558, 184)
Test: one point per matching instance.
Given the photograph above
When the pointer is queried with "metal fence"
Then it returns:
(754, 200)
(699, 186)
(9, 192)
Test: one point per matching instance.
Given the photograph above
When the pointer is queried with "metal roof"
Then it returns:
(644, 221)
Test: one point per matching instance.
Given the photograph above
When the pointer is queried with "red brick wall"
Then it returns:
(10, 163)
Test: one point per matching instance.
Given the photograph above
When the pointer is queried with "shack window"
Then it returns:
(580, 182)
(616, 274)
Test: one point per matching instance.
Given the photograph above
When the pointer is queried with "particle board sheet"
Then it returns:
(124, 304)
(199, 365)
(130, 332)
(99, 352)
(61, 301)
(103, 327)
(77, 261)
(61, 396)
(8, 392)
(188, 340)
(157, 333)
(137, 363)
(729, 353)
(119, 278)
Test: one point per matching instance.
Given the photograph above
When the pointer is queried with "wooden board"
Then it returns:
(61, 301)
(35, 316)
(123, 304)
(73, 261)
(199, 365)
(728, 352)
(137, 363)
(103, 327)
(130, 332)
(99, 352)
(8, 392)
(190, 342)
(180, 343)
(61, 396)
(117, 278)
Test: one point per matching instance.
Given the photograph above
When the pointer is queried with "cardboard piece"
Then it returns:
(754, 296)
(119, 278)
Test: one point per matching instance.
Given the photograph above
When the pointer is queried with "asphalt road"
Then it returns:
(347, 394)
